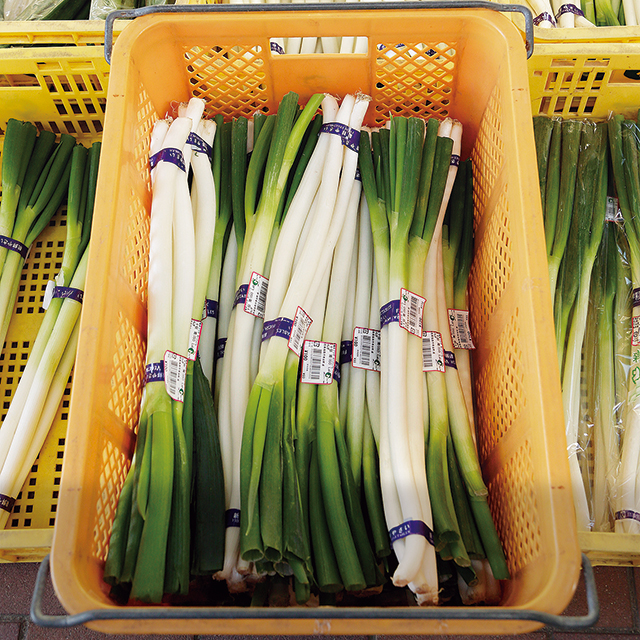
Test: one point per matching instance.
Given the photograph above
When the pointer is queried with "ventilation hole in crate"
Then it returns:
(80, 83)
(512, 500)
(70, 128)
(52, 522)
(500, 389)
(590, 104)
(559, 105)
(95, 82)
(128, 373)
(575, 105)
(18, 80)
(31, 494)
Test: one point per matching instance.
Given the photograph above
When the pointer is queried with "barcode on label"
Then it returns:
(432, 351)
(194, 338)
(175, 374)
(318, 362)
(366, 349)
(460, 331)
(635, 331)
(301, 324)
(256, 295)
(411, 306)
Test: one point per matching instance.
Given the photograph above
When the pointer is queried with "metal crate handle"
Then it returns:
(347, 6)
(373, 613)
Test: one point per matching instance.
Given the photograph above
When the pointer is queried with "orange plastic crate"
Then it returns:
(466, 63)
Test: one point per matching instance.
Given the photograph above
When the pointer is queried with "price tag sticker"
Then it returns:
(432, 351)
(318, 362)
(256, 295)
(635, 331)
(411, 307)
(301, 323)
(460, 330)
(194, 338)
(175, 374)
(366, 349)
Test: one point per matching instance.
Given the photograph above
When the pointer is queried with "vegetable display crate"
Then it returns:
(591, 81)
(61, 90)
(466, 63)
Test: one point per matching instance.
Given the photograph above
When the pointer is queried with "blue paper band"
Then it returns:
(241, 294)
(636, 297)
(450, 359)
(174, 156)
(627, 514)
(336, 371)
(221, 343)
(569, 8)
(542, 17)
(455, 160)
(358, 175)
(154, 372)
(68, 292)
(411, 527)
(346, 351)
(232, 518)
(350, 137)
(6, 502)
(14, 245)
(390, 312)
(199, 144)
(280, 327)
(211, 308)
(276, 48)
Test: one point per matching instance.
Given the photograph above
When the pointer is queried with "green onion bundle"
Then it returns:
(44, 379)
(314, 441)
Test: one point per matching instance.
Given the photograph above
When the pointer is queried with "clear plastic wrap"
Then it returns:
(101, 8)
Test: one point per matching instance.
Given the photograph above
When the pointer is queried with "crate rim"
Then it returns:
(354, 613)
(310, 7)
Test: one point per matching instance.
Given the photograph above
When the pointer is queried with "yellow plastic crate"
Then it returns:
(62, 90)
(591, 81)
(473, 68)
(18, 33)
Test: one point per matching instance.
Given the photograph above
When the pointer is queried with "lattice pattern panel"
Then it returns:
(230, 79)
(128, 372)
(500, 389)
(488, 152)
(572, 86)
(512, 499)
(78, 89)
(115, 466)
(145, 119)
(492, 267)
(413, 80)
(136, 259)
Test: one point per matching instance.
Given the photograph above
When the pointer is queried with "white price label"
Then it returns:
(301, 323)
(318, 362)
(175, 374)
(460, 330)
(432, 351)
(635, 331)
(256, 295)
(411, 307)
(366, 349)
(194, 338)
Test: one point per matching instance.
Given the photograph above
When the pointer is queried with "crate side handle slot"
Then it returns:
(361, 6)
(373, 613)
